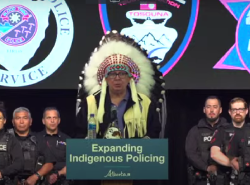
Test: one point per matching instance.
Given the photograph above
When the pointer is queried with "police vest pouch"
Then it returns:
(39, 163)
(204, 143)
(2, 181)
(26, 155)
(246, 166)
(29, 153)
(29, 166)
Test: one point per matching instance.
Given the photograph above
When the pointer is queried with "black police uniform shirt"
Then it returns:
(221, 139)
(15, 151)
(222, 135)
(57, 145)
(192, 143)
(237, 141)
(42, 149)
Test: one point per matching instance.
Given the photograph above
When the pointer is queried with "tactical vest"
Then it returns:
(245, 146)
(30, 153)
(204, 143)
(4, 156)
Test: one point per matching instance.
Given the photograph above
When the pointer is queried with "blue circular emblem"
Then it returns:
(243, 38)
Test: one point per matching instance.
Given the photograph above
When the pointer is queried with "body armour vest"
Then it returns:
(4, 156)
(29, 146)
(204, 143)
(245, 147)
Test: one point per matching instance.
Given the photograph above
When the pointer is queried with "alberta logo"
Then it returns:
(22, 29)
(237, 57)
(155, 26)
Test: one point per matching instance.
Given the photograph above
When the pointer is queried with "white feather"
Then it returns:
(145, 82)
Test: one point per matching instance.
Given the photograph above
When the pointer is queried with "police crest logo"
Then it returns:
(22, 29)
(237, 57)
(13, 16)
(157, 26)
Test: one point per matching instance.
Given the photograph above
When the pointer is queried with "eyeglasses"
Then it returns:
(239, 110)
(121, 75)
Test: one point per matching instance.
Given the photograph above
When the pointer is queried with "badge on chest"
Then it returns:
(207, 137)
(3, 146)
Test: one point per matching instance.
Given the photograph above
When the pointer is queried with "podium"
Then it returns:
(117, 161)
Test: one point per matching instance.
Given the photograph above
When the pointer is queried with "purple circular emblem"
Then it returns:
(18, 25)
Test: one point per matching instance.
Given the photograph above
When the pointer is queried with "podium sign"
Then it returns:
(103, 159)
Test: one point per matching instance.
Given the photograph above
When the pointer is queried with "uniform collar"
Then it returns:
(204, 123)
(29, 135)
(44, 133)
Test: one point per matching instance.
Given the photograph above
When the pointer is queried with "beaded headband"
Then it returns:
(118, 62)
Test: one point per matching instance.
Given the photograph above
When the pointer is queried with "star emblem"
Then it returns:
(238, 56)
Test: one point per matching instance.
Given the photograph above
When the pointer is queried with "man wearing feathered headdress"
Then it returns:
(120, 77)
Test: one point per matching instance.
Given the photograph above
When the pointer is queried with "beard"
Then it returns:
(238, 119)
(212, 120)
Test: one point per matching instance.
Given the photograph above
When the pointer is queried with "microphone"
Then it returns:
(113, 113)
(113, 131)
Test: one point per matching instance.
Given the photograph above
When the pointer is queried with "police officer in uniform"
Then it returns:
(11, 162)
(56, 141)
(221, 138)
(238, 150)
(38, 160)
(198, 142)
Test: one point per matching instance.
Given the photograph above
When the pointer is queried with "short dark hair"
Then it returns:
(51, 108)
(2, 109)
(238, 99)
(212, 97)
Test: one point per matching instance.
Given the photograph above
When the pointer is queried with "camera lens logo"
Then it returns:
(23, 25)
(18, 25)
(155, 26)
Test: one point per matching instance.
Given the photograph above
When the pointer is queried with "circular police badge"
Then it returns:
(164, 28)
(22, 29)
(22, 19)
(243, 38)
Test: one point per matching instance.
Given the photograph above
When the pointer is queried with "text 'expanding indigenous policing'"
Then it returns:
(133, 154)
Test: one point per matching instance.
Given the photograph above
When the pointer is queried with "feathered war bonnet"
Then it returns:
(119, 52)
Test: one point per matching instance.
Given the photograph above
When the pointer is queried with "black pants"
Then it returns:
(201, 182)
